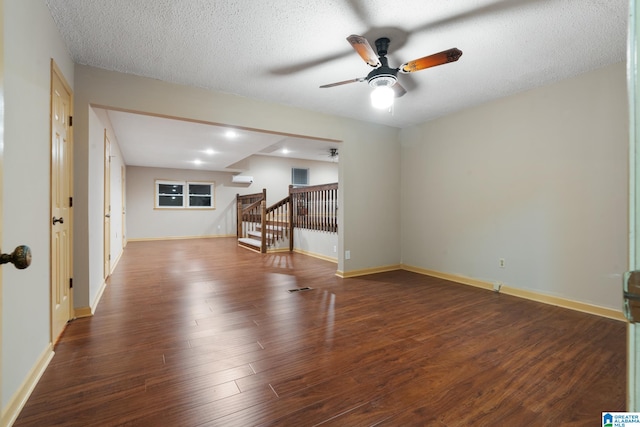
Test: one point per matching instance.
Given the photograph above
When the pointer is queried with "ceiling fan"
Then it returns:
(331, 153)
(383, 78)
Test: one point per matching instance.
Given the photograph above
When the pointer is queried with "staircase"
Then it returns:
(262, 228)
(253, 241)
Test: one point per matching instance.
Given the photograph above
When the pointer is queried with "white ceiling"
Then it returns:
(283, 50)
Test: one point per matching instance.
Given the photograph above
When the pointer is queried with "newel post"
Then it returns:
(238, 216)
(290, 211)
(263, 221)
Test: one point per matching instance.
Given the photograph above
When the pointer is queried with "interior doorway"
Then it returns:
(61, 202)
(107, 206)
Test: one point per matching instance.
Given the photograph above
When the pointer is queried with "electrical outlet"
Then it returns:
(347, 254)
(501, 263)
(335, 249)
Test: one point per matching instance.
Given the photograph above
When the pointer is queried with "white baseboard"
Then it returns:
(12, 410)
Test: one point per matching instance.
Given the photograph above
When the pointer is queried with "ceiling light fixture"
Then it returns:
(209, 151)
(382, 98)
(197, 161)
(382, 80)
(231, 134)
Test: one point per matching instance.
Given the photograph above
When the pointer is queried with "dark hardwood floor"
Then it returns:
(201, 332)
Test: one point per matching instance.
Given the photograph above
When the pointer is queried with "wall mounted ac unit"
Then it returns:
(241, 179)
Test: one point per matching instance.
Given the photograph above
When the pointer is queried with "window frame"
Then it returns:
(186, 194)
(293, 176)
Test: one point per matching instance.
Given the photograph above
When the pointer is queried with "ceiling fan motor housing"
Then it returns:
(382, 46)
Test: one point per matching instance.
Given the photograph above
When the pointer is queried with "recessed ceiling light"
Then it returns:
(285, 151)
(209, 151)
(231, 134)
(197, 161)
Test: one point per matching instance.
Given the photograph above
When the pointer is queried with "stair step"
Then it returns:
(250, 243)
(276, 228)
(258, 235)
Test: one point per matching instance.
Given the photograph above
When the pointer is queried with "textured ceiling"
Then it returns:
(283, 50)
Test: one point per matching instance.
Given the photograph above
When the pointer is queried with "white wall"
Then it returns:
(31, 41)
(539, 179)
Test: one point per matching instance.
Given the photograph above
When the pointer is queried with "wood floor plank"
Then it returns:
(201, 332)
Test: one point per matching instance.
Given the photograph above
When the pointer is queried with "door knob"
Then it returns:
(60, 220)
(20, 258)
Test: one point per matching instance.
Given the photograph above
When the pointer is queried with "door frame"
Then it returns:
(1, 182)
(107, 207)
(633, 87)
(123, 193)
(55, 71)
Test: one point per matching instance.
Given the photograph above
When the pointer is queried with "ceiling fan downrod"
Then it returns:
(383, 75)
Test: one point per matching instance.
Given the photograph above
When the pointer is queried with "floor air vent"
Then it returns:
(299, 289)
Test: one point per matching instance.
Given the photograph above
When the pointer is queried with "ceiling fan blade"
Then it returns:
(364, 49)
(398, 90)
(359, 79)
(440, 58)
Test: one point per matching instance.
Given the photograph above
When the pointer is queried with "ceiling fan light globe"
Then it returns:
(382, 97)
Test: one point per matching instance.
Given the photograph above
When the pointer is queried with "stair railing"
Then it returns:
(313, 208)
(277, 222)
(249, 212)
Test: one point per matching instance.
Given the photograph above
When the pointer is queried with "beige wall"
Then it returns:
(369, 161)
(31, 41)
(539, 179)
(99, 122)
(146, 222)
(272, 173)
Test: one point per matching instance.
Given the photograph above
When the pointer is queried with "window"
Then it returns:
(169, 194)
(189, 195)
(199, 195)
(299, 176)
